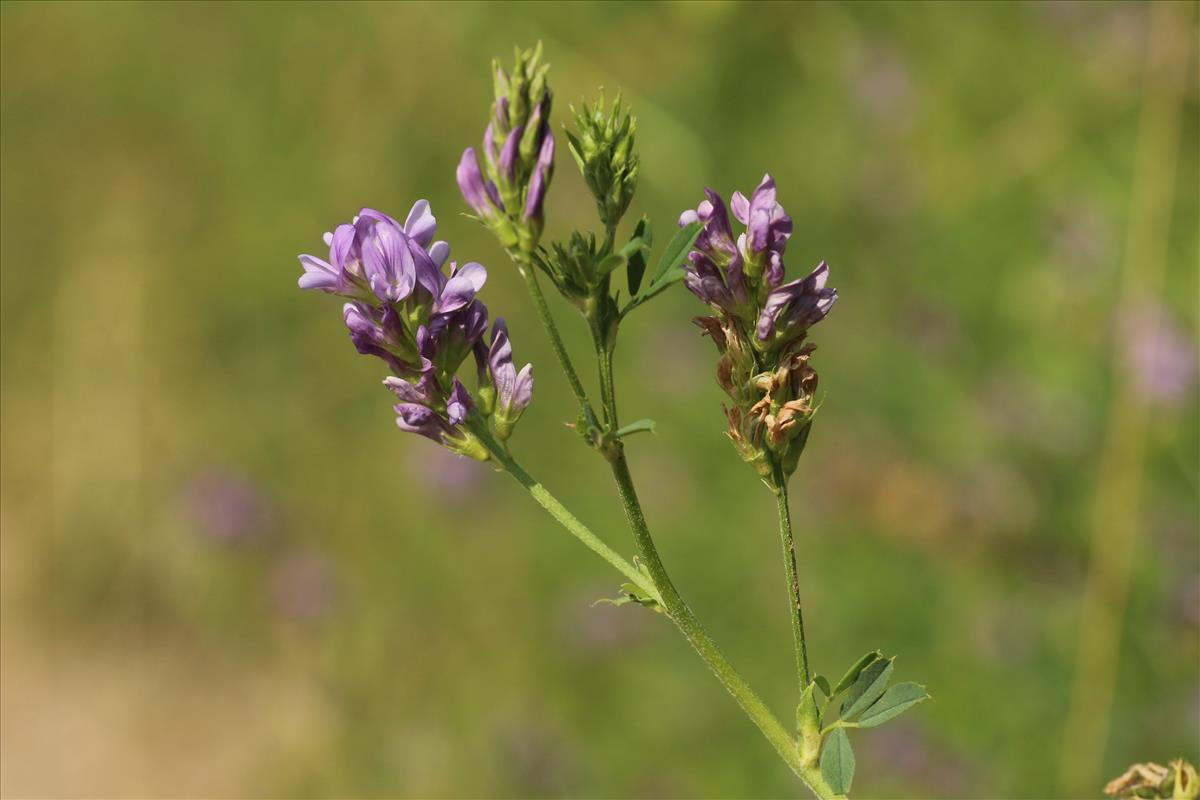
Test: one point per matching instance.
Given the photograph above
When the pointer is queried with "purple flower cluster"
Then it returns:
(507, 189)
(760, 324)
(403, 308)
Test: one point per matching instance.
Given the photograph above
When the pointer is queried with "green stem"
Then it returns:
(608, 393)
(793, 583)
(703, 644)
(559, 512)
(528, 272)
(662, 590)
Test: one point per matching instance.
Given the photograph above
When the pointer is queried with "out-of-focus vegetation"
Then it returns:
(226, 573)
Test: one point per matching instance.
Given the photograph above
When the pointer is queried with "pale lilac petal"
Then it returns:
(470, 183)
(489, 145)
(387, 260)
(540, 181)
(508, 153)
(459, 404)
(438, 253)
(475, 273)
(405, 390)
(420, 224)
(414, 418)
(740, 207)
(318, 274)
(341, 247)
(806, 299)
(357, 319)
(523, 388)
(504, 375)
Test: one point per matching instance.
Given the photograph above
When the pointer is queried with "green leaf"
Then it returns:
(852, 673)
(677, 250)
(867, 688)
(894, 702)
(637, 261)
(823, 684)
(635, 427)
(635, 245)
(609, 263)
(661, 284)
(837, 761)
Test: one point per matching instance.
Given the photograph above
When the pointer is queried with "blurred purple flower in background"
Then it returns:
(443, 473)
(1160, 356)
(590, 629)
(227, 508)
(302, 585)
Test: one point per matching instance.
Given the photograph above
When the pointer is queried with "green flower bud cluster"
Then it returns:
(603, 149)
(582, 271)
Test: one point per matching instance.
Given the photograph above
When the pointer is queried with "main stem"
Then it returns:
(703, 644)
(678, 610)
(663, 590)
(793, 583)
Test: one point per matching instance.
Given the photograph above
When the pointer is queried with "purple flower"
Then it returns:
(459, 290)
(423, 323)
(797, 305)
(379, 332)
(716, 239)
(768, 227)
(451, 336)
(342, 274)
(514, 390)
(761, 326)
(418, 410)
(376, 259)
(745, 279)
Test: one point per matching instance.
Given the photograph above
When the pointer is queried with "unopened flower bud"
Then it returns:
(603, 149)
(507, 187)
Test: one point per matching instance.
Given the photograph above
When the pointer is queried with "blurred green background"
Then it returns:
(225, 573)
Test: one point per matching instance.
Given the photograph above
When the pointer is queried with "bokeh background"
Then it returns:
(226, 574)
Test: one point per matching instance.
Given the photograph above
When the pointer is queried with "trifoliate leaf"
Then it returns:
(677, 250)
(852, 673)
(837, 761)
(867, 688)
(661, 284)
(894, 702)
